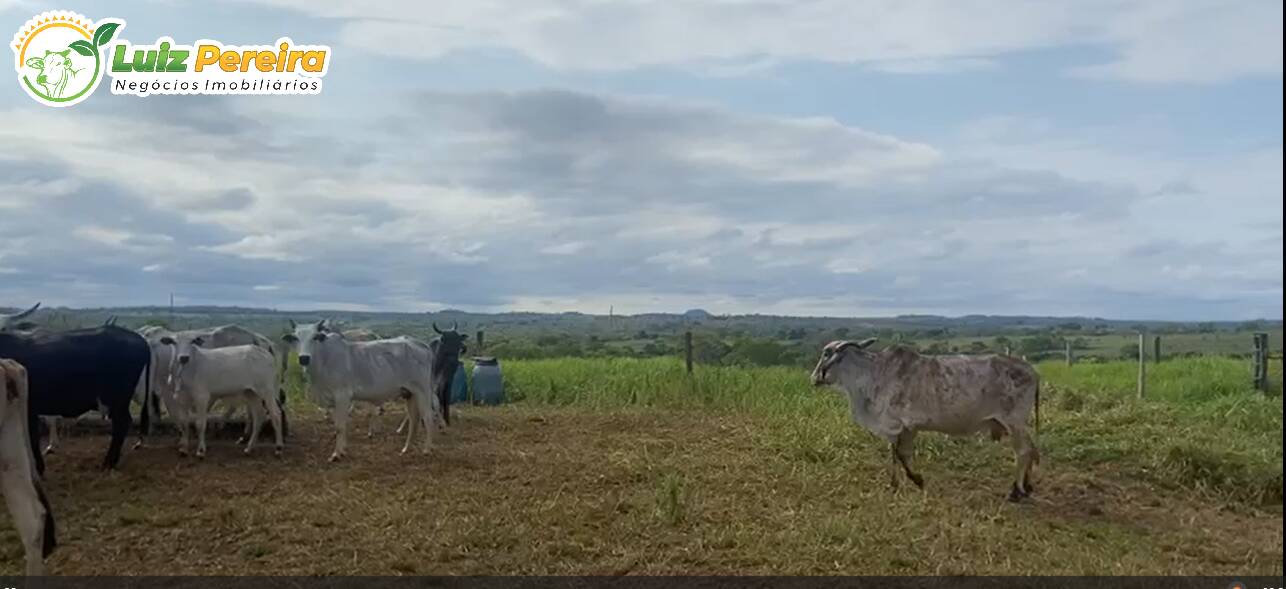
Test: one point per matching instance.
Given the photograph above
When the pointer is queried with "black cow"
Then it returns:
(447, 348)
(75, 371)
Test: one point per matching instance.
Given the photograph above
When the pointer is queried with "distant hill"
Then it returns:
(527, 323)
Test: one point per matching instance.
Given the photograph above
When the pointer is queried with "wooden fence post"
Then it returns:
(687, 349)
(1143, 357)
(1156, 349)
(1259, 364)
(1067, 351)
(481, 341)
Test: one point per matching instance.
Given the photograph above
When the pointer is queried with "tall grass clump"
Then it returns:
(1201, 427)
(663, 383)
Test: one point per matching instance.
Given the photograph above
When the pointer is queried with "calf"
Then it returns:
(76, 371)
(897, 392)
(246, 372)
(235, 335)
(23, 490)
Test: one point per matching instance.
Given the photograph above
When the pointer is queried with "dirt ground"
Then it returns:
(537, 490)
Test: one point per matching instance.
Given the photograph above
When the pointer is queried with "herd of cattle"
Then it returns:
(893, 393)
(55, 374)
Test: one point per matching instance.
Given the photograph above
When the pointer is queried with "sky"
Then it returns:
(1110, 158)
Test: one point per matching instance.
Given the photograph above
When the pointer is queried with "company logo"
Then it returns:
(62, 56)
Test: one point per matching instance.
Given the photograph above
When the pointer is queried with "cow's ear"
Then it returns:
(464, 336)
(36, 62)
(289, 338)
(196, 341)
(167, 340)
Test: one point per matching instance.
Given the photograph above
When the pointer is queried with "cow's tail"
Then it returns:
(1037, 408)
(50, 535)
(144, 417)
(281, 389)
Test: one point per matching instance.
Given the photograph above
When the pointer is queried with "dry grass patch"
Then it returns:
(542, 490)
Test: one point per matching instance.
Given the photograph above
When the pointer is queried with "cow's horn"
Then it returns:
(435, 328)
(867, 342)
(321, 325)
(455, 326)
(847, 344)
(292, 322)
(27, 312)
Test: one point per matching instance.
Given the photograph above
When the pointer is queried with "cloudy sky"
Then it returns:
(1118, 158)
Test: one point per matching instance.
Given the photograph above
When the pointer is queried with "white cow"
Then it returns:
(163, 369)
(235, 335)
(246, 372)
(23, 491)
(341, 372)
(360, 334)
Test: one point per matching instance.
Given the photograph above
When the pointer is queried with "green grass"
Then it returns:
(1201, 428)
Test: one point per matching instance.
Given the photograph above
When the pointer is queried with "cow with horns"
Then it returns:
(897, 392)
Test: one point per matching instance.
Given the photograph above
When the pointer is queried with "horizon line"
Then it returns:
(323, 311)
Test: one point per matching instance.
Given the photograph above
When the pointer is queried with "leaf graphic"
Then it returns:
(104, 34)
(83, 47)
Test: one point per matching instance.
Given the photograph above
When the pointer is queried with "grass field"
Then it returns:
(1221, 343)
(632, 467)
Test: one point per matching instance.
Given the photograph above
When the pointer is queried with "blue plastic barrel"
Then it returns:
(488, 384)
(459, 385)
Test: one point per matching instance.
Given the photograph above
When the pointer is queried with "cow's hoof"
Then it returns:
(1016, 494)
(246, 451)
(200, 455)
(48, 451)
(276, 451)
(241, 441)
(334, 457)
(403, 451)
(1027, 488)
(917, 479)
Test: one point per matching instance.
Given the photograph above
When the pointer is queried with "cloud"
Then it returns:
(539, 199)
(1196, 41)
(1148, 40)
(934, 66)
